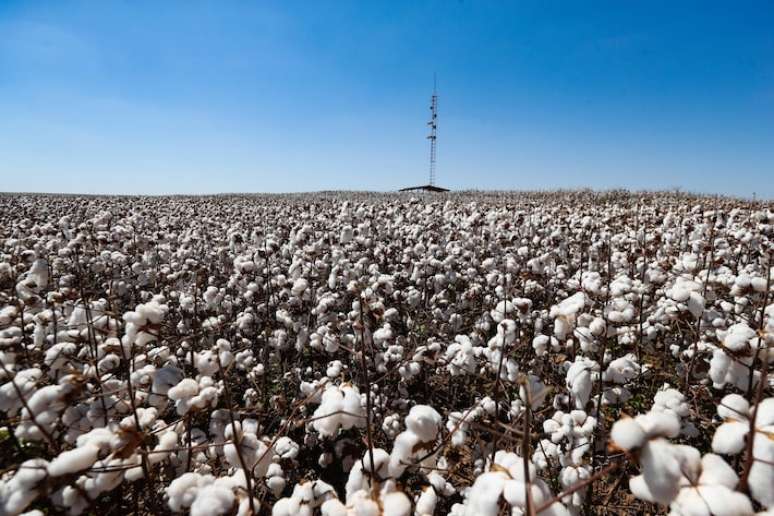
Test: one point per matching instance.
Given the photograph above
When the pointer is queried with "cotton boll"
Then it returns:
(362, 473)
(206, 362)
(627, 434)
(299, 287)
(579, 381)
(182, 491)
(426, 502)
(275, 479)
(73, 461)
(329, 416)
(22, 489)
(167, 442)
(709, 487)
(424, 421)
(334, 369)
(213, 500)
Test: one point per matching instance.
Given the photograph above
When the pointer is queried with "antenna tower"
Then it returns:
(433, 123)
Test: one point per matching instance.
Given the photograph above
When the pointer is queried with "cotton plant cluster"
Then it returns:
(355, 354)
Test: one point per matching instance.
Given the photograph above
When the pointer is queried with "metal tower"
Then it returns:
(433, 123)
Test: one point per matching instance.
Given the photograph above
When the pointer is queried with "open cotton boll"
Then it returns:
(182, 491)
(299, 287)
(730, 438)
(707, 489)
(213, 499)
(505, 481)
(183, 390)
(362, 473)
(424, 421)
(738, 337)
(340, 407)
(306, 497)
(422, 425)
(425, 503)
(73, 461)
(622, 370)
(165, 378)
(22, 489)
(661, 463)
(579, 380)
(672, 400)
(26, 381)
(167, 443)
(206, 362)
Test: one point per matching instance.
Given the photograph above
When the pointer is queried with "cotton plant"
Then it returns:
(167, 336)
(731, 436)
(340, 408)
(580, 379)
(565, 314)
(660, 461)
(730, 362)
(496, 351)
(417, 442)
(506, 483)
(201, 495)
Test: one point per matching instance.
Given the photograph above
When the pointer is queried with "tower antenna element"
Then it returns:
(433, 124)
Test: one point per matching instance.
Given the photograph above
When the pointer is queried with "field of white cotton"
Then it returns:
(355, 354)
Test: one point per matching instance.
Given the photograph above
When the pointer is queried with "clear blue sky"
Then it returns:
(204, 97)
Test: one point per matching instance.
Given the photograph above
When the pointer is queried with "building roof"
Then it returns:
(424, 188)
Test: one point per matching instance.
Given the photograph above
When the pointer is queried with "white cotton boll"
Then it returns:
(665, 424)
(276, 484)
(352, 407)
(181, 492)
(738, 337)
(402, 451)
(696, 304)
(346, 235)
(425, 503)
(167, 442)
(206, 362)
(568, 477)
(299, 287)
(185, 389)
(622, 370)
(627, 434)
(540, 345)
(286, 448)
(709, 487)
(213, 500)
(332, 508)
(484, 496)
(662, 465)
(579, 382)
(165, 378)
(25, 381)
(424, 421)
(73, 461)
(679, 293)
(22, 489)
(334, 369)
(671, 399)
(396, 504)
(597, 326)
(361, 473)
(328, 417)
(761, 476)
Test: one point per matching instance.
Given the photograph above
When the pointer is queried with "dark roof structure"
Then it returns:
(424, 188)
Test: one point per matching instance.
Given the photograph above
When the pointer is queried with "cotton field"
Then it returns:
(360, 354)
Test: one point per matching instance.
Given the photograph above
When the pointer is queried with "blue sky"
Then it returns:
(204, 97)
